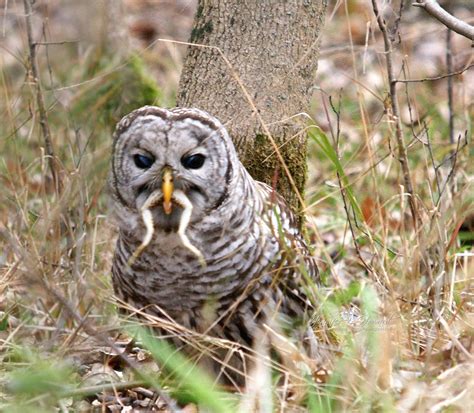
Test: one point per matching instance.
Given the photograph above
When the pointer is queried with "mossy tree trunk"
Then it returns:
(272, 48)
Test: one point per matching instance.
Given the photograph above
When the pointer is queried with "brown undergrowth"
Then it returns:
(394, 318)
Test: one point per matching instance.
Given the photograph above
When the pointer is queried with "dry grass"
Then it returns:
(395, 312)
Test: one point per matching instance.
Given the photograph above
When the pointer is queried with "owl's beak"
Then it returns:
(167, 188)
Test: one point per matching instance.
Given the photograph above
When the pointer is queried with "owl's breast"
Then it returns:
(169, 275)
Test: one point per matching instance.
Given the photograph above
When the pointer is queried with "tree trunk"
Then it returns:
(272, 48)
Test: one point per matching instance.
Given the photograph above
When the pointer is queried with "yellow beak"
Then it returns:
(167, 187)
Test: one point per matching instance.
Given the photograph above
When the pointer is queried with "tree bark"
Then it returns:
(271, 48)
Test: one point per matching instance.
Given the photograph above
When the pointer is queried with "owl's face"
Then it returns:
(187, 147)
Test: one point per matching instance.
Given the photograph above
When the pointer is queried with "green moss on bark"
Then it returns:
(262, 163)
(198, 33)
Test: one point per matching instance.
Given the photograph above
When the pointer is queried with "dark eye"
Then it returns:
(143, 161)
(193, 161)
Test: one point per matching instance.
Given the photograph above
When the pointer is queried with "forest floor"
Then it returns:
(396, 323)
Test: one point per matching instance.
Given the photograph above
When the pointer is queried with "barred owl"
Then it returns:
(224, 253)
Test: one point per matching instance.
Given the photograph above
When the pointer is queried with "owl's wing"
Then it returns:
(285, 227)
(295, 267)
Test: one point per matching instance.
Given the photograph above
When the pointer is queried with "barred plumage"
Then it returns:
(248, 236)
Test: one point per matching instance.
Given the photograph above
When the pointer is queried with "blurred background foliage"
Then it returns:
(100, 60)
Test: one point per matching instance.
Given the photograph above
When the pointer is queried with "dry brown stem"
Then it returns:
(449, 65)
(393, 96)
(43, 117)
(435, 78)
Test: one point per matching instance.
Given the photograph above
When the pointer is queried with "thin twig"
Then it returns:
(432, 159)
(449, 67)
(105, 387)
(396, 24)
(56, 43)
(43, 118)
(336, 136)
(393, 96)
(457, 25)
(432, 79)
(453, 159)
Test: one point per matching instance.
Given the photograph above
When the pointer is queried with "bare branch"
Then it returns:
(432, 79)
(43, 118)
(395, 115)
(449, 67)
(457, 25)
(56, 43)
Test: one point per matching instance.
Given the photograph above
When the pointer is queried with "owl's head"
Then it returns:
(154, 147)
